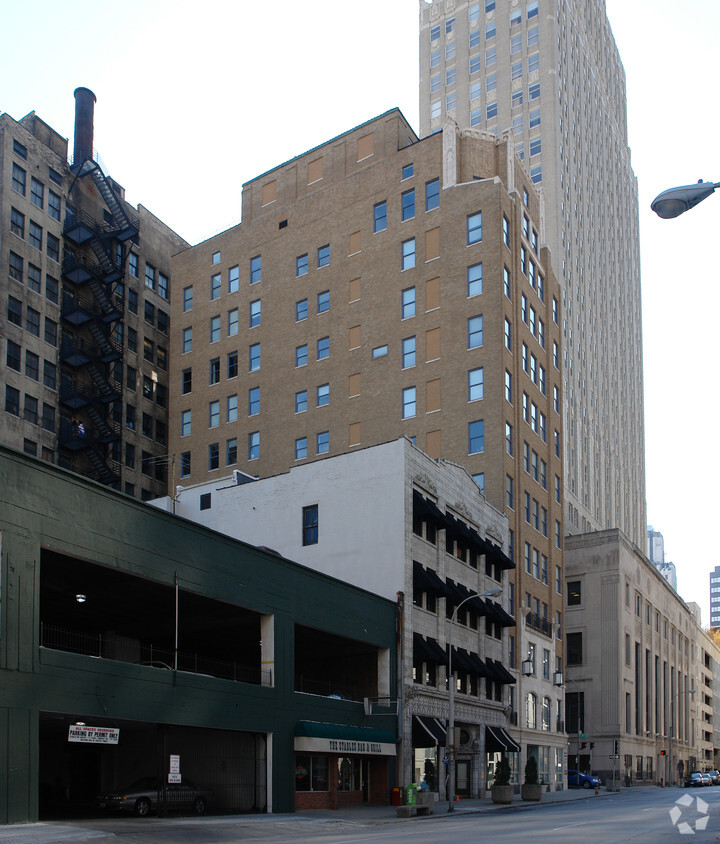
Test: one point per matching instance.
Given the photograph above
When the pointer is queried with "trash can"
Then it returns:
(397, 795)
(411, 794)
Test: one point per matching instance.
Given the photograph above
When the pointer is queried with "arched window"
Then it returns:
(546, 713)
(531, 704)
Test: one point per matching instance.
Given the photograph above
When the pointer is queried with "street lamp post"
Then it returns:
(676, 201)
(450, 748)
(672, 726)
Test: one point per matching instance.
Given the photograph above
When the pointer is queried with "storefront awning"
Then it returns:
(427, 732)
(498, 672)
(498, 740)
(319, 737)
(429, 650)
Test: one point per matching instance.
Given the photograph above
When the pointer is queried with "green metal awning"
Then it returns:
(319, 737)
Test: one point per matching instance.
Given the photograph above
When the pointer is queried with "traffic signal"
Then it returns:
(583, 745)
(616, 747)
(592, 744)
(662, 752)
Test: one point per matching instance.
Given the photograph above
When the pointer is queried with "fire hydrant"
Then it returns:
(597, 789)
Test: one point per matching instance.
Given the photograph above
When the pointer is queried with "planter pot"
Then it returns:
(531, 791)
(502, 793)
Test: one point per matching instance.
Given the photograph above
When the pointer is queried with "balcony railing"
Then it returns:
(537, 622)
(145, 653)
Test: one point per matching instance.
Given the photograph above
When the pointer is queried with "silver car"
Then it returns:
(149, 793)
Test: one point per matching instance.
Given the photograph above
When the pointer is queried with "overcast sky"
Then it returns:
(195, 99)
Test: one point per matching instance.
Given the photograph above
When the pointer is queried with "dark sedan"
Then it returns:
(149, 793)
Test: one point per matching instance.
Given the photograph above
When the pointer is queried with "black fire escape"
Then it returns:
(91, 352)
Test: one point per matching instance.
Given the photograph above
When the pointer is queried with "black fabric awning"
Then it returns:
(499, 672)
(428, 579)
(427, 732)
(427, 510)
(498, 740)
(498, 556)
(428, 650)
(457, 593)
(498, 614)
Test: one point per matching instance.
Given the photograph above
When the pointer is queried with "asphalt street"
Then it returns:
(634, 815)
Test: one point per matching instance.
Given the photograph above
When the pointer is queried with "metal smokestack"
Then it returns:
(84, 118)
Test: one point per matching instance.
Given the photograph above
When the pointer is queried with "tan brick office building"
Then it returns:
(380, 285)
(84, 290)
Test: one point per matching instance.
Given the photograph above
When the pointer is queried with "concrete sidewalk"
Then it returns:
(87, 830)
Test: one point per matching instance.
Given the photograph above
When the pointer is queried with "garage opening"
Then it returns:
(174, 769)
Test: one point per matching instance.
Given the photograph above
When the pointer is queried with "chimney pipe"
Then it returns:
(84, 114)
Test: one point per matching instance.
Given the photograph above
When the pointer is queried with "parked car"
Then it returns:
(715, 776)
(147, 793)
(694, 780)
(707, 779)
(583, 780)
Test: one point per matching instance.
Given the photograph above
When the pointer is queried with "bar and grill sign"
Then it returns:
(93, 735)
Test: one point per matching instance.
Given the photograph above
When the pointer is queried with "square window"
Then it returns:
(408, 352)
(301, 310)
(323, 256)
(323, 395)
(254, 357)
(475, 280)
(233, 279)
(323, 348)
(301, 448)
(213, 456)
(474, 228)
(213, 414)
(432, 194)
(16, 267)
(322, 444)
(310, 525)
(133, 264)
(215, 286)
(408, 302)
(232, 365)
(301, 355)
(186, 340)
(32, 321)
(301, 265)
(475, 384)
(409, 402)
(150, 276)
(14, 355)
(253, 401)
(232, 317)
(231, 408)
(476, 437)
(407, 171)
(256, 269)
(17, 223)
(34, 278)
(231, 451)
(19, 179)
(253, 445)
(408, 254)
(185, 423)
(186, 381)
(148, 350)
(214, 371)
(215, 258)
(380, 216)
(50, 375)
(475, 332)
(132, 301)
(214, 329)
(408, 204)
(301, 401)
(323, 301)
(379, 352)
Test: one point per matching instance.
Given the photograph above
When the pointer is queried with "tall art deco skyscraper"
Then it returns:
(550, 71)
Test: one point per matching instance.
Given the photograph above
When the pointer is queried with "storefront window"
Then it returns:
(348, 773)
(544, 765)
(426, 767)
(311, 773)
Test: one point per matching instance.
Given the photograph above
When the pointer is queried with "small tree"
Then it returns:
(531, 772)
(502, 772)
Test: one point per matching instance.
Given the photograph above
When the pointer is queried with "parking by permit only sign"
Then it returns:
(94, 735)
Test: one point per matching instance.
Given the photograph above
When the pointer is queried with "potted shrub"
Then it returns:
(502, 791)
(531, 788)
